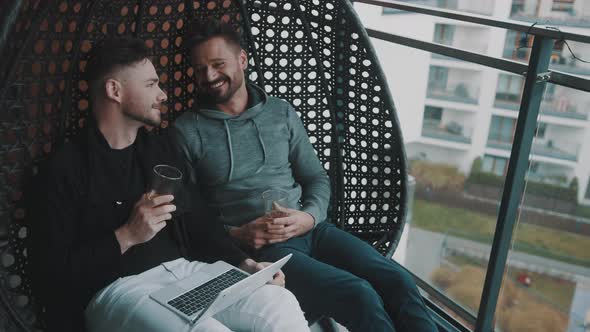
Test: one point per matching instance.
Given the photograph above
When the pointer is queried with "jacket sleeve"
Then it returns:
(207, 239)
(67, 270)
(187, 141)
(308, 170)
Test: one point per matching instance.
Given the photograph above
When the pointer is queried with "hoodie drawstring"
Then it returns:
(231, 152)
(262, 145)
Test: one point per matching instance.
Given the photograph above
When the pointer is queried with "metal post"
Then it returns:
(513, 187)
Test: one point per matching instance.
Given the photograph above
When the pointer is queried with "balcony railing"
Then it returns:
(537, 75)
(483, 7)
(561, 108)
(574, 68)
(458, 93)
(552, 149)
(557, 149)
(451, 131)
(573, 21)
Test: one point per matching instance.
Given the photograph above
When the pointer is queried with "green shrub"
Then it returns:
(583, 211)
(476, 165)
(437, 176)
(574, 184)
(532, 188)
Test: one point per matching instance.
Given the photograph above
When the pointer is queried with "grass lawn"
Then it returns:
(556, 292)
(519, 309)
(540, 241)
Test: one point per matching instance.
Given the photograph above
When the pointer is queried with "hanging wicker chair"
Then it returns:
(313, 53)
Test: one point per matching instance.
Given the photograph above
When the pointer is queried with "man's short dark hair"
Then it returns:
(201, 31)
(113, 54)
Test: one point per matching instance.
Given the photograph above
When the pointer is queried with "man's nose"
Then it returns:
(211, 74)
(162, 96)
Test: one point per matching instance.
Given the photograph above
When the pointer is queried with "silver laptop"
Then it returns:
(213, 288)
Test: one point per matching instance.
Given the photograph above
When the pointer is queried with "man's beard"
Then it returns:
(208, 96)
(144, 117)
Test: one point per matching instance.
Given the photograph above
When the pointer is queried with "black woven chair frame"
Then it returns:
(313, 53)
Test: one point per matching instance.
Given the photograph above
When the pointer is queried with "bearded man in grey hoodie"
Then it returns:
(241, 142)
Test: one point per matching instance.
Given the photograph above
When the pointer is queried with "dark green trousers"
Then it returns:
(335, 274)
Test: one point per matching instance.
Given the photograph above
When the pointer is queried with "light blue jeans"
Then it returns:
(125, 305)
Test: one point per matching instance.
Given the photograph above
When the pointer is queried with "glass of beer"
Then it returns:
(272, 196)
(166, 180)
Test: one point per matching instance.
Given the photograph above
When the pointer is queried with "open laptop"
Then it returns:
(213, 288)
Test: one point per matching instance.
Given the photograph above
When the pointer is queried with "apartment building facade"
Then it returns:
(453, 112)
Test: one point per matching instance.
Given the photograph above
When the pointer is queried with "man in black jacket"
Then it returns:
(102, 242)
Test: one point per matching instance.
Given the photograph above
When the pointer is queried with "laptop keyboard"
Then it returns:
(200, 296)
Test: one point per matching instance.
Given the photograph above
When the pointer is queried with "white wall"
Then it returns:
(406, 69)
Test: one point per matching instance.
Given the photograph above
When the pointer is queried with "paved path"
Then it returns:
(425, 250)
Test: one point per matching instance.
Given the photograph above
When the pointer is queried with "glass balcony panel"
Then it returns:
(546, 286)
(448, 127)
(455, 202)
(453, 84)
(448, 239)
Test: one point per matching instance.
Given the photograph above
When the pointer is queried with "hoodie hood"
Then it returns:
(257, 99)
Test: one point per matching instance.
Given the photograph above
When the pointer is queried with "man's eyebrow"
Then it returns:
(210, 60)
(153, 80)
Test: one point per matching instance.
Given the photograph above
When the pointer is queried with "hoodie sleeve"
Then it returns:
(207, 239)
(307, 170)
(188, 141)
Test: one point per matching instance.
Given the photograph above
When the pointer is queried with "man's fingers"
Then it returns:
(158, 227)
(278, 279)
(285, 221)
(162, 209)
(278, 240)
(272, 228)
(162, 217)
(161, 199)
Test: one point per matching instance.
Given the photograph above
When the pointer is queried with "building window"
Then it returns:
(517, 7)
(502, 129)
(587, 196)
(443, 34)
(563, 6)
(433, 113)
(509, 88)
(496, 165)
(517, 45)
(540, 130)
(437, 77)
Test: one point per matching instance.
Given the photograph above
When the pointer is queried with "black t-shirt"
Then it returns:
(121, 171)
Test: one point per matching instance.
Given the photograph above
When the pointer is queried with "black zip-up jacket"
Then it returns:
(82, 195)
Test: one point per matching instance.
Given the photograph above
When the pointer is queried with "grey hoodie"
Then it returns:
(236, 158)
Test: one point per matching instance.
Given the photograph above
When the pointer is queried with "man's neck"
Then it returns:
(118, 132)
(237, 104)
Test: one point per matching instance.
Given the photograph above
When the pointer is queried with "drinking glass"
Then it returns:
(274, 196)
(166, 180)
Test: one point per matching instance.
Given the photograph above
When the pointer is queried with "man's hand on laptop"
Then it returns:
(251, 266)
(148, 217)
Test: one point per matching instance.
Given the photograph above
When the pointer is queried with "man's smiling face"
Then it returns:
(219, 70)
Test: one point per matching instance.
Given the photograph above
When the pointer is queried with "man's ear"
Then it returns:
(113, 90)
(243, 59)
